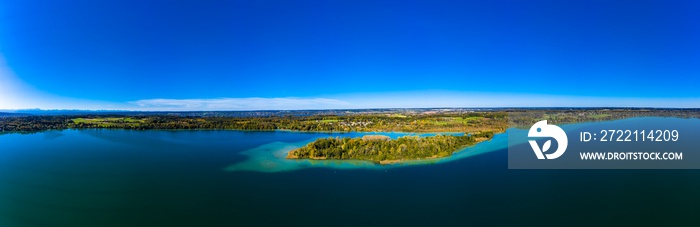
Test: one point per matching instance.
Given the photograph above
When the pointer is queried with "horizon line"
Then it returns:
(348, 109)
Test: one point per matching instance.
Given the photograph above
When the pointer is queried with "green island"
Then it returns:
(383, 150)
(475, 125)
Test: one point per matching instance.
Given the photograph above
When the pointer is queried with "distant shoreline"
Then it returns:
(427, 121)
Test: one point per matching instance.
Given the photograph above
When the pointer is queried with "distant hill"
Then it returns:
(248, 113)
(3, 114)
(301, 113)
(40, 112)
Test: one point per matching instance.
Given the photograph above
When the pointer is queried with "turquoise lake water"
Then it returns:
(236, 178)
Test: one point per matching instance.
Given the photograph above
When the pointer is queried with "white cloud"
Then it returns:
(240, 104)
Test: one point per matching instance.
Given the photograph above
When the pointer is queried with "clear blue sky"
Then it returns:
(348, 53)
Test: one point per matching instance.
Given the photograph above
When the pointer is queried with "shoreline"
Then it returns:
(319, 132)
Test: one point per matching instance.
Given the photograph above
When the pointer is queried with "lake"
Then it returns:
(237, 178)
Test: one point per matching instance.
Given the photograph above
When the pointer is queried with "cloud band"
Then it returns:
(241, 104)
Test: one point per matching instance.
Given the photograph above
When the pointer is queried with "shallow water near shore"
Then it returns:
(233, 178)
(271, 157)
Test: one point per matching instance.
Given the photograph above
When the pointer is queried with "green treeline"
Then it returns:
(470, 122)
(403, 148)
(467, 122)
(33, 123)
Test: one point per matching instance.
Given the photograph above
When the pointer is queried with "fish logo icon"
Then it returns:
(542, 130)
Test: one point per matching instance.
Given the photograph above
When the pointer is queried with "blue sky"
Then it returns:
(235, 55)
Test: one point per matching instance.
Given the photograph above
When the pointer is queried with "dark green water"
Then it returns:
(179, 178)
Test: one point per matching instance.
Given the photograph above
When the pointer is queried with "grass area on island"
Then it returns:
(456, 120)
(599, 116)
(322, 121)
(107, 119)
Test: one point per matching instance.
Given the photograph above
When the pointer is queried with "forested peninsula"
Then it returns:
(383, 150)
